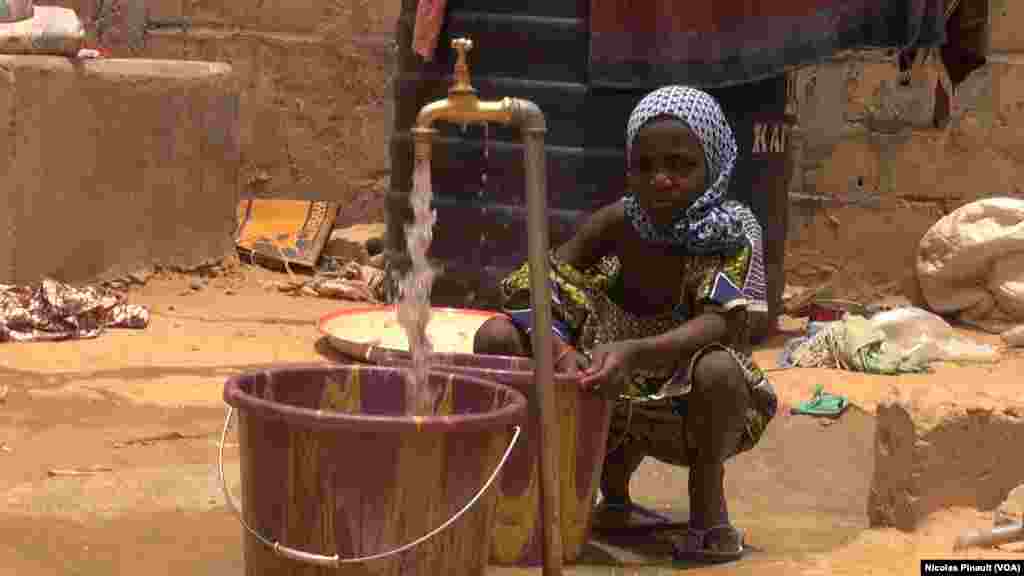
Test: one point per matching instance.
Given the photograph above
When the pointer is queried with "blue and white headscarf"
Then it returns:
(710, 225)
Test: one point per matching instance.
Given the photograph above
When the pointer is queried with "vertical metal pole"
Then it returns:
(543, 405)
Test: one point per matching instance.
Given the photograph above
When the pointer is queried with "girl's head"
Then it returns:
(680, 151)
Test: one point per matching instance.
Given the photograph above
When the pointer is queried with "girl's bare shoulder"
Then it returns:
(610, 217)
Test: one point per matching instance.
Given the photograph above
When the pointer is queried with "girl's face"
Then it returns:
(667, 168)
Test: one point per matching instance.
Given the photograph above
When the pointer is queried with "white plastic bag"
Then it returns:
(914, 331)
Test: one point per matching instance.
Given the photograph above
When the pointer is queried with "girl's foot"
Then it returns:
(717, 544)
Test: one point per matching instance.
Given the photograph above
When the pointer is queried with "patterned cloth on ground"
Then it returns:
(56, 311)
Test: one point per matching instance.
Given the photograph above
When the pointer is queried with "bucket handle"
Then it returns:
(336, 561)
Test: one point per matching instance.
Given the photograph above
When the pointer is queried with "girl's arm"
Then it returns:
(595, 239)
(674, 348)
(722, 301)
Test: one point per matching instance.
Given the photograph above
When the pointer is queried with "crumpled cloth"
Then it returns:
(851, 344)
(54, 311)
(351, 281)
(429, 19)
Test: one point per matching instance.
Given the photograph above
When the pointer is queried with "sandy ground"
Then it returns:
(154, 505)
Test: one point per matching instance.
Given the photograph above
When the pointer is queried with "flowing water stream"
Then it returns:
(414, 304)
(415, 287)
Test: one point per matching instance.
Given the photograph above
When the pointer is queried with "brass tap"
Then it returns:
(462, 84)
(460, 107)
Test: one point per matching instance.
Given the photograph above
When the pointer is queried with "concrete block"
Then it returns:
(322, 17)
(936, 166)
(822, 100)
(877, 246)
(935, 453)
(851, 173)
(315, 112)
(877, 98)
(8, 108)
(325, 17)
(119, 24)
(116, 165)
(1007, 101)
(911, 163)
(1006, 21)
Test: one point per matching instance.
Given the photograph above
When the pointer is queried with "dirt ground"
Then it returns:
(145, 408)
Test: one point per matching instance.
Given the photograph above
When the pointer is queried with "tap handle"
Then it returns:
(461, 47)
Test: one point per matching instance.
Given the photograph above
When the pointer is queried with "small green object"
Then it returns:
(823, 404)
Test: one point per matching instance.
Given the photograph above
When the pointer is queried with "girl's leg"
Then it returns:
(619, 467)
(717, 420)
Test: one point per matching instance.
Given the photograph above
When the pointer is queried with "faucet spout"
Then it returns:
(464, 109)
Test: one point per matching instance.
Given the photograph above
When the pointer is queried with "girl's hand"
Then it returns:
(610, 369)
(571, 363)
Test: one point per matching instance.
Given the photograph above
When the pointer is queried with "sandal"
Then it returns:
(694, 546)
(822, 404)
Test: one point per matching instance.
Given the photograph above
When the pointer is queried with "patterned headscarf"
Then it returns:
(710, 225)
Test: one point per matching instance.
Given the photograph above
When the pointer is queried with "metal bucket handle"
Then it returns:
(336, 561)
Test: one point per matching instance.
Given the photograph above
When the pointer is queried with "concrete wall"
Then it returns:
(111, 166)
(315, 77)
(873, 174)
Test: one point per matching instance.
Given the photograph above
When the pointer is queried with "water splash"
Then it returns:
(414, 304)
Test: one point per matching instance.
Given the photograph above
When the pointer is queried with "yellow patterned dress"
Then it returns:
(652, 416)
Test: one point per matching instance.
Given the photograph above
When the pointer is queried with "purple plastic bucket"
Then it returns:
(334, 471)
(585, 419)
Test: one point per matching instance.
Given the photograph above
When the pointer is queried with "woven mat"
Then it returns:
(284, 231)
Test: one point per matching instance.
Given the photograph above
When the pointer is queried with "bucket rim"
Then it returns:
(511, 414)
(438, 359)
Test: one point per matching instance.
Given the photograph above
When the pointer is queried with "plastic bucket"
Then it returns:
(336, 476)
(585, 419)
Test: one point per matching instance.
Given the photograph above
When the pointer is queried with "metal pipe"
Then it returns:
(531, 122)
(463, 107)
